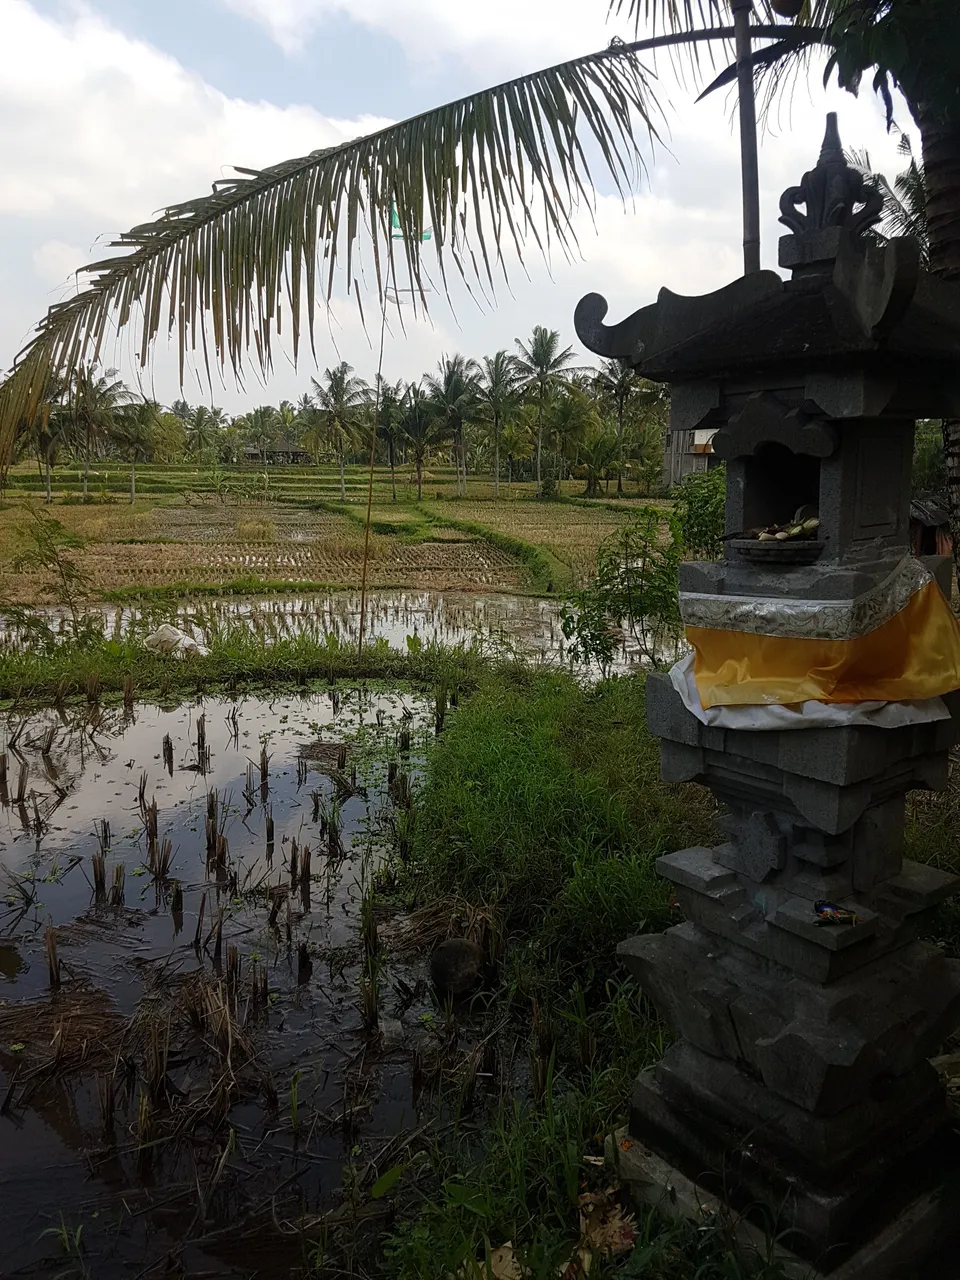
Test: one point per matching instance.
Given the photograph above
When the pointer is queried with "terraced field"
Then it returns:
(235, 529)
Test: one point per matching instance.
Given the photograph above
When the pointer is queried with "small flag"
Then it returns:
(396, 232)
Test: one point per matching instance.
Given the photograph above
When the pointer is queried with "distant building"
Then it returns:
(929, 529)
(282, 453)
(686, 453)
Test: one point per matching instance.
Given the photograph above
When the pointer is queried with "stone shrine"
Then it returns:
(804, 1005)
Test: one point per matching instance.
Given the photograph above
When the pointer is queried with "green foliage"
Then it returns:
(635, 586)
(544, 798)
(47, 554)
(929, 464)
(698, 505)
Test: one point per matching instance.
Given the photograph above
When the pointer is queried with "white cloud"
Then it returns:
(97, 130)
(56, 261)
(95, 123)
(486, 34)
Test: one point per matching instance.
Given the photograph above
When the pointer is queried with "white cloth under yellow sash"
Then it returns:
(898, 642)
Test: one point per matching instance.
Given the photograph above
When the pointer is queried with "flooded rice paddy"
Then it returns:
(497, 622)
(212, 1048)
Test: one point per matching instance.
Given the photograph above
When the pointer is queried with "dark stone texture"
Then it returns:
(799, 1080)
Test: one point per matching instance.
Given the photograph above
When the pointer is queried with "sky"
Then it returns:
(113, 109)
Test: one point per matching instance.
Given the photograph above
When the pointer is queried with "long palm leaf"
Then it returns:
(222, 272)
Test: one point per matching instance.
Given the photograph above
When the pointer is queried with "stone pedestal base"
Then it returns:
(926, 1230)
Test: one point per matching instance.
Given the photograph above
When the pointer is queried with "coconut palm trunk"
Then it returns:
(343, 481)
(496, 456)
(941, 171)
(393, 475)
(941, 168)
(133, 479)
(419, 479)
(539, 443)
(620, 407)
(86, 461)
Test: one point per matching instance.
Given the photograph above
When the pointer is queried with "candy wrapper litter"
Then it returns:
(830, 913)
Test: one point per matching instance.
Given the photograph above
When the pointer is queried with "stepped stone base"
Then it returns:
(922, 1239)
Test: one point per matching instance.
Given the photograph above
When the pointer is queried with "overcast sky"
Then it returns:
(112, 109)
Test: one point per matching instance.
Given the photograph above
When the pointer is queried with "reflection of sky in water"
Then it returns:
(92, 773)
(525, 624)
(53, 1157)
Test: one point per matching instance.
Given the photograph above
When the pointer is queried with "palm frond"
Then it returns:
(221, 274)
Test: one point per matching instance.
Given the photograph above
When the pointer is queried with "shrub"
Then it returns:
(698, 506)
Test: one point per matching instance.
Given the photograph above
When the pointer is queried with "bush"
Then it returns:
(698, 507)
(544, 798)
(635, 586)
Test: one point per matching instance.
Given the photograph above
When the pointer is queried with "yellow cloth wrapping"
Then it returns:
(916, 654)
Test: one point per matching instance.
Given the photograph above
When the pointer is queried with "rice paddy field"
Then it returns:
(226, 1046)
(288, 526)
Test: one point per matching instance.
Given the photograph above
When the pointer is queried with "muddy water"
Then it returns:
(523, 624)
(61, 1159)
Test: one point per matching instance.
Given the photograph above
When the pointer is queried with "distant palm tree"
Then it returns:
(617, 382)
(517, 445)
(542, 366)
(95, 402)
(423, 428)
(261, 427)
(390, 426)
(287, 417)
(200, 430)
(455, 395)
(313, 430)
(339, 396)
(599, 453)
(500, 393)
(135, 429)
(571, 417)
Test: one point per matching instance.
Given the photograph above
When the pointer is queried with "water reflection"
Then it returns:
(524, 624)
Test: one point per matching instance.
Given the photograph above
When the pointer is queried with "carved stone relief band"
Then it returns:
(807, 619)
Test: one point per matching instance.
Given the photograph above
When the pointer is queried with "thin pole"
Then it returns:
(749, 162)
(373, 453)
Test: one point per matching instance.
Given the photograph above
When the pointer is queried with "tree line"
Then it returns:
(530, 413)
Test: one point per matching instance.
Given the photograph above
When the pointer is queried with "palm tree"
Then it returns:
(390, 426)
(517, 445)
(339, 398)
(571, 417)
(134, 430)
(616, 382)
(95, 401)
(313, 431)
(424, 429)
(261, 427)
(455, 395)
(599, 453)
(200, 430)
(519, 166)
(499, 391)
(542, 367)
(287, 417)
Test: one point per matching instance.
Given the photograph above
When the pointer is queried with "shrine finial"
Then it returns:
(834, 193)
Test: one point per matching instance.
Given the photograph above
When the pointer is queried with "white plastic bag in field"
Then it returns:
(171, 640)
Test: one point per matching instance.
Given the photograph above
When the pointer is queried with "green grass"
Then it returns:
(240, 658)
(542, 801)
(544, 798)
(548, 573)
